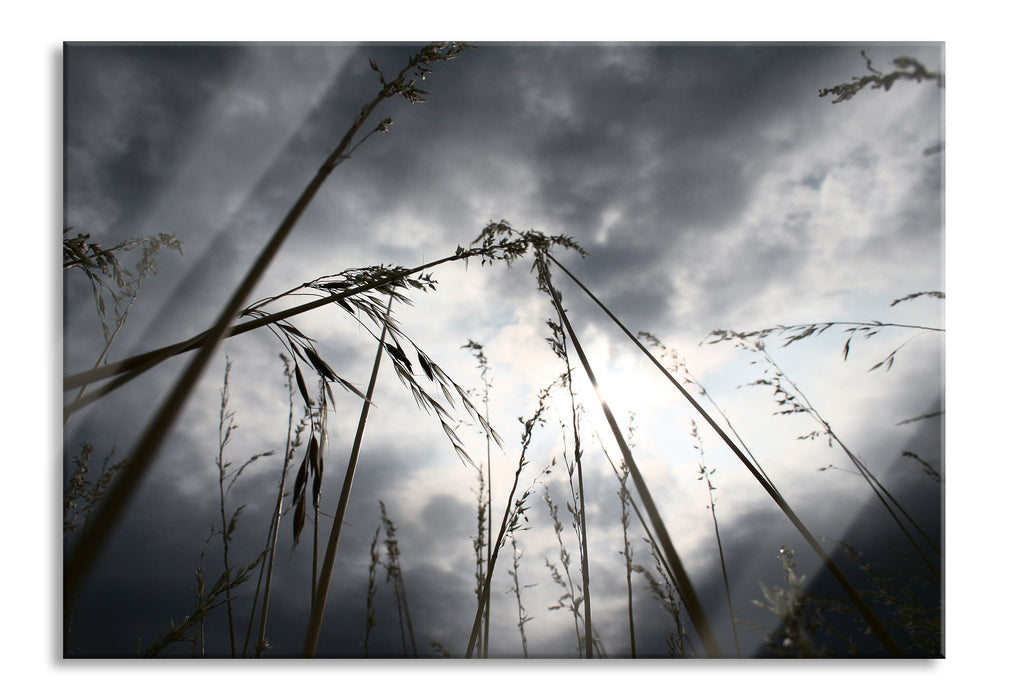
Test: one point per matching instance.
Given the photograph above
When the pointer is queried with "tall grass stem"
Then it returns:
(329, 560)
(874, 623)
(690, 598)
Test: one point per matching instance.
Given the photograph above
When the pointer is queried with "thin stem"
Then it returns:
(483, 648)
(485, 590)
(490, 514)
(224, 429)
(329, 560)
(637, 511)
(707, 394)
(877, 627)
(565, 558)
(522, 618)
(624, 518)
(690, 598)
(255, 597)
(395, 573)
(706, 475)
(372, 589)
(506, 521)
(583, 535)
(274, 530)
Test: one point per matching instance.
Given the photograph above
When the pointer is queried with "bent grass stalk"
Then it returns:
(871, 618)
(508, 248)
(690, 599)
(679, 364)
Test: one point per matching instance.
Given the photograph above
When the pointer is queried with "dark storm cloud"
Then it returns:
(155, 96)
(646, 132)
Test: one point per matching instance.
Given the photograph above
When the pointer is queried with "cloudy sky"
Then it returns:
(711, 189)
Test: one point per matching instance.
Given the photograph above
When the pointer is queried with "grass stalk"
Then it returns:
(575, 479)
(481, 359)
(329, 560)
(510, 517)
(372, 590)
(679, 364)
(129, 368)
(120, 322)
(80, 497)
(395, 574)
(480, 546)
(568, 585)
(522, 617)
(628, 554)
(92, 259)
(224, 429)
(490, 515)
(582, 530)
(871, 618)
(705, 474)
(226, 473)
(690, 599)
(642, 520)
(293, 442)
(666, 593)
